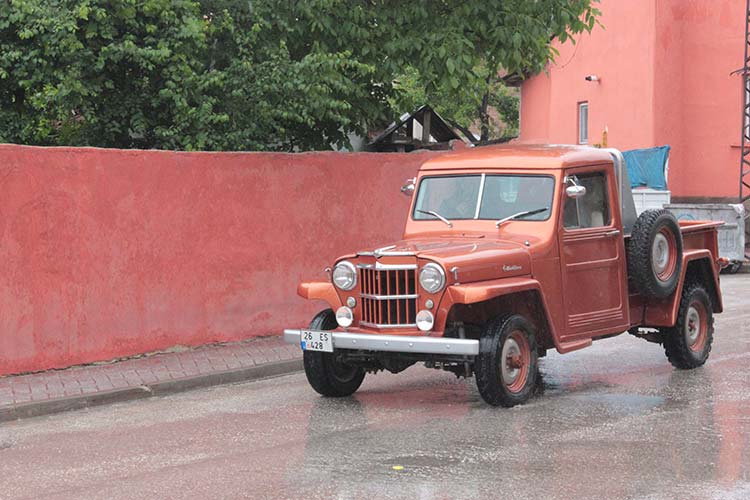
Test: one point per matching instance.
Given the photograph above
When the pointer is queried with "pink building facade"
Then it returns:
(660, 72)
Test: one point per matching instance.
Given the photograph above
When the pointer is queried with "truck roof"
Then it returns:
(519, 156)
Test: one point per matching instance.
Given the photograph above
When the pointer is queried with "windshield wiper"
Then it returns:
(436, 215)
(525, 213)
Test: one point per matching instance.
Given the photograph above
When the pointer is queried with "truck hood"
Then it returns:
(476, 259)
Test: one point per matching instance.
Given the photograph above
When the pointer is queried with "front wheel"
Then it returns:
(327, 374)
(506, 367)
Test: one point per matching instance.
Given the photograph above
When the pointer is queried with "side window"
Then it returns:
(592, 209)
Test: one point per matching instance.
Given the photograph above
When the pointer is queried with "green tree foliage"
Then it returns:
(463, 108)
(258, 74)
(102, 73)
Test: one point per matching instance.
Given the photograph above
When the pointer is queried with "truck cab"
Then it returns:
(508, 252)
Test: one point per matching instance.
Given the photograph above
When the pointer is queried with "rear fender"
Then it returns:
(482, 301)
(319, 290)
(697, 265)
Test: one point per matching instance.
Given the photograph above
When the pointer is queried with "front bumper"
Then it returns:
(395, 343)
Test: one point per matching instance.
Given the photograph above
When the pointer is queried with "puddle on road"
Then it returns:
(621, 404)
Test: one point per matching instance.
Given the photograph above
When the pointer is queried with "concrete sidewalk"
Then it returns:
(151, 375)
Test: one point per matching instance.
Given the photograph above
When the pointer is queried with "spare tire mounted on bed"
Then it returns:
(654, 253)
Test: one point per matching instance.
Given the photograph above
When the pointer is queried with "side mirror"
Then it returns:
(408, 188)
(575, 191)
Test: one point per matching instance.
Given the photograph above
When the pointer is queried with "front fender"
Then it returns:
(319, 290)
(475, 293)
(479, 292)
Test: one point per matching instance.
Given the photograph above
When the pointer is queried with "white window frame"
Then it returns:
(583, 122)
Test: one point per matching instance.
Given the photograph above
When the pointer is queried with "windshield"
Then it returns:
(492, 197)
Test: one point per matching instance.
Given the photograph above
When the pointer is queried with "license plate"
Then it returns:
(316, 341)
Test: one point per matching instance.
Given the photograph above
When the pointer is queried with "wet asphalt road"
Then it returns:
(614, 421)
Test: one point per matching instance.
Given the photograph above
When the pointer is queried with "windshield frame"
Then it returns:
(478, 207)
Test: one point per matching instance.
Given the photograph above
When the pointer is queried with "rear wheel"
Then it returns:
(688, 343)
(325, 372)
(506, 367)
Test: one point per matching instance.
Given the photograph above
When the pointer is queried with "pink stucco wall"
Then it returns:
(108, 253)
(699, 44)
(665, 69)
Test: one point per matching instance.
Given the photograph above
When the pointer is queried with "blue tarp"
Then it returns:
(646, 167)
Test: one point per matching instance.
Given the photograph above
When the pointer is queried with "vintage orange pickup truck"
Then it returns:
(509, 251)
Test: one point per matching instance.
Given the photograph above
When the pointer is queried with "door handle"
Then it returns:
(612, 234)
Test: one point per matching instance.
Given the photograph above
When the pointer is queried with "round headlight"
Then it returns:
(344, 316)
(432, 278)
(425, 320)
(345, 275)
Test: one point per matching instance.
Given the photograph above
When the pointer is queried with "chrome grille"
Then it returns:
(389, 295)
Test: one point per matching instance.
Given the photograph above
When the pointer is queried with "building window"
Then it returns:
(583, 123)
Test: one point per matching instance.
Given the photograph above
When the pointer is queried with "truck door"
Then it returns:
(592, 256)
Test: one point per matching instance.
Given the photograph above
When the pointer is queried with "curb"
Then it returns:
(80, 401)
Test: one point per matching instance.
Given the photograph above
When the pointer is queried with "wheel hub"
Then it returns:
(660, 253)
(515, 361)
(692, 325)
(511, 361)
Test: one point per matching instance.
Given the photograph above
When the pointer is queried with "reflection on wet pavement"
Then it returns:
(614, 421)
